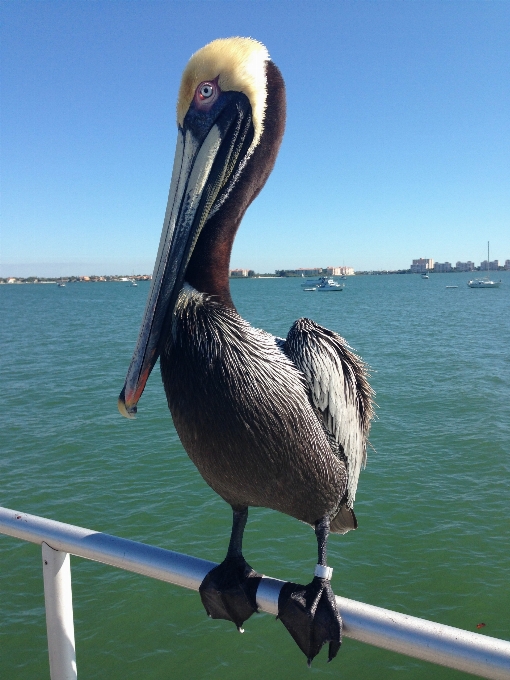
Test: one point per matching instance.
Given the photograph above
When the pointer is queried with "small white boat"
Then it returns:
(61, 285)
(452, 286)
(329, 285)
(133, 282)
(424, 276)
(485, 282)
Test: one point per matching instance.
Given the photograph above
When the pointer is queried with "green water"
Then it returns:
(432, 504)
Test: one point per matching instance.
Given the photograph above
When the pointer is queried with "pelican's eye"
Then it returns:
(206, 91)
(206, 94)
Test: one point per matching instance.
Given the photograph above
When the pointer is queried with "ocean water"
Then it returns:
(433, 538)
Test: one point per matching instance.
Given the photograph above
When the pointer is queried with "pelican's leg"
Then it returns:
(229, 590)
(310, 613)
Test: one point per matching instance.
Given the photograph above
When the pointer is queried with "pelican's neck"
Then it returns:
(208, 268)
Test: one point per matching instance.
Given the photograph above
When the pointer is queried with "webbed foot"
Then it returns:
(311, 616)
(229, 591)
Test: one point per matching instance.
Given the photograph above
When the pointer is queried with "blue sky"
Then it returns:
(397, 142)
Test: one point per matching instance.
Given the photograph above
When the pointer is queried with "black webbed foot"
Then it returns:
(311, 616)
(229, 591)
(310, 613)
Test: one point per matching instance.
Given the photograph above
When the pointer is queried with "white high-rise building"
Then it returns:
(340, 271)
(493, 266)
(465, 266)
(422, 265)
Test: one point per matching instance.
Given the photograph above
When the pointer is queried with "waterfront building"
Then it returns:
(238, 273)
(507, 264)
(443, 267)
(340, 271)
(493, 266)
(465, 266)
(422, 265)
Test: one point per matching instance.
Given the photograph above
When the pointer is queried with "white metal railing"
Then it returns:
(480, 655)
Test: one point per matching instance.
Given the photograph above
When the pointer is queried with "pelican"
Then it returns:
(268, 422)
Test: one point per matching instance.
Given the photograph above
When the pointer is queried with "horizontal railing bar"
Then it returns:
(140, 558)
(466, 651)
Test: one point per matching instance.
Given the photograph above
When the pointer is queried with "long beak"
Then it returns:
(210, 152)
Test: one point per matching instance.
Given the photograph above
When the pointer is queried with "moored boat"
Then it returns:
(484, 282)
(329, 285)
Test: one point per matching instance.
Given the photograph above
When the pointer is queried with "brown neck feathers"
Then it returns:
(208, 268)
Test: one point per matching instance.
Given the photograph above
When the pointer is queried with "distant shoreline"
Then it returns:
(11, 280)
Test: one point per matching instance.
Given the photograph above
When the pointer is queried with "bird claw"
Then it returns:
(311, 616)
(229, 591)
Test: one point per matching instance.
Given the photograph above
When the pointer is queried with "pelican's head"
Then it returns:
(226, 65)
(221, 112)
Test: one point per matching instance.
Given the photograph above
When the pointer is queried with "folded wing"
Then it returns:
(339, 392)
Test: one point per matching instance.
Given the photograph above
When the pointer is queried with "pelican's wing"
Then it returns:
(339, 391)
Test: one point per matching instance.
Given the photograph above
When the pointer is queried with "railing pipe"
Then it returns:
(140, 558)
(466, 651)
(58, 598)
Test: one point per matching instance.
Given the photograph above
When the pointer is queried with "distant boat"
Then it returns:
(133, 282)
(452, 286)
(485, 282)
(424, 276)
(61, 285)
(320, 281)
(329, 285)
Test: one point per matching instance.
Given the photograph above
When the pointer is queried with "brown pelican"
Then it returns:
(268, 422)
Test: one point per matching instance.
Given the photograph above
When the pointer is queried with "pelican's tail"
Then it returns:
(344, 521)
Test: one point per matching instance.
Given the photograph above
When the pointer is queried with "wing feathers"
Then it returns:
(339, 390)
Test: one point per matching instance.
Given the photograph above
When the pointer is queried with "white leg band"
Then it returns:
(323, 572)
